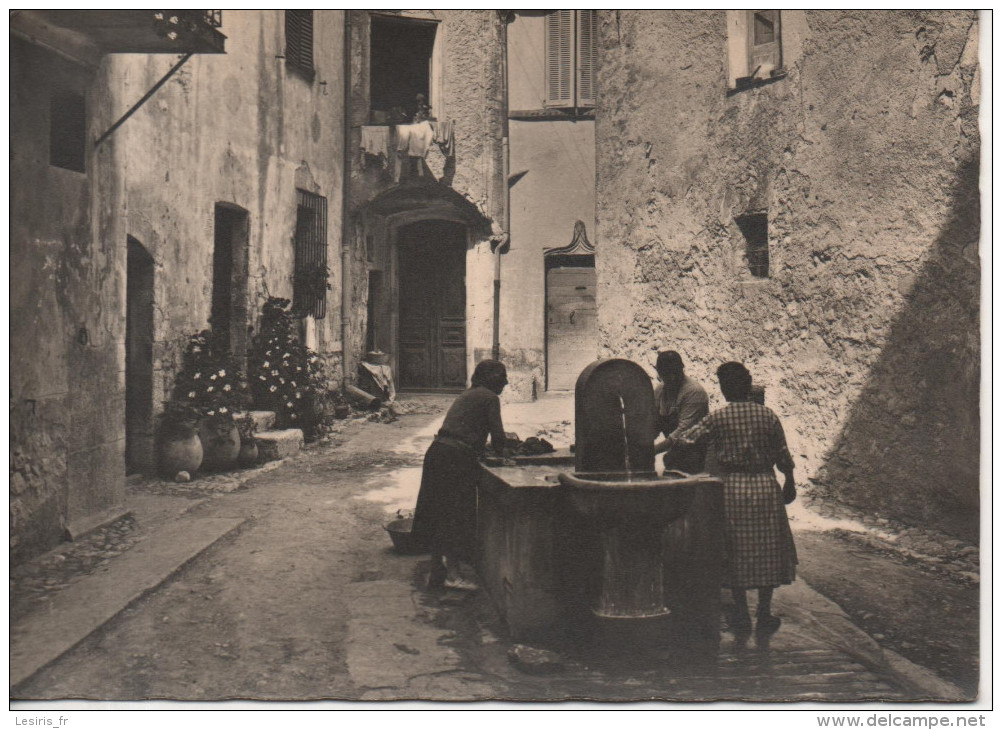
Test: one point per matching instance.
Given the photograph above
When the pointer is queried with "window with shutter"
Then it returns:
(559, 58)
(755, 46)
(587, 26)
(570, 58)
(299, 41)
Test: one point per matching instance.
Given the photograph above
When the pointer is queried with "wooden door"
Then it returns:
(571, 324)
(138, 359)
(432, 264)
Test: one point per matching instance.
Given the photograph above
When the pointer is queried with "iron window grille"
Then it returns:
(310, 280)
(299, 41)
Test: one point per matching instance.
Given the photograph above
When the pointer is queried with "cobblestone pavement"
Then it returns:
(309, 602)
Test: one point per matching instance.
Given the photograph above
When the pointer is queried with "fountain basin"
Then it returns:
(613, 497)
(631, 513)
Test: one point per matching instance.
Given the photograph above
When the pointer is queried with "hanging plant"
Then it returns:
(311, 284)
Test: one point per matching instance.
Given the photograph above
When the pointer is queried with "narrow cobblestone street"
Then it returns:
(305, 600)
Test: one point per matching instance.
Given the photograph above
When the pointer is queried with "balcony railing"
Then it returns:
(128, 31)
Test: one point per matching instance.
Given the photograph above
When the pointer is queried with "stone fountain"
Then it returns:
(581, 542)
(616, 489)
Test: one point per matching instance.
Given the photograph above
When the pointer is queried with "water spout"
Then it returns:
(626, 438)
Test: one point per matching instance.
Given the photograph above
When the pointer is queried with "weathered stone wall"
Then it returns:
(66, 398)
(238, 128)
(467, 81)
(241, 129)
(865, 158)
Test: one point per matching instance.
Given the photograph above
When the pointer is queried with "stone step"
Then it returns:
(264, 420)
(272, 445)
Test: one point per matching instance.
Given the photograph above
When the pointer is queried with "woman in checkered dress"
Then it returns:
(748, 441)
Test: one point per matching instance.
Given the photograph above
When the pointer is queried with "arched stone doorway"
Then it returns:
(416, 241)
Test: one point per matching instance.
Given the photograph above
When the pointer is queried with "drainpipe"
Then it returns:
(505, 195)
(345, 204)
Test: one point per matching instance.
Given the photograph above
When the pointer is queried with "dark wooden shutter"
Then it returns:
(587, 26)
(560, 58)
(299, 41)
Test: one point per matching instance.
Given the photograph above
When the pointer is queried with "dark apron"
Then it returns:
(446, 514)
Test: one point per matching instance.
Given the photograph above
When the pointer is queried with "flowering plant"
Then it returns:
(208, 386)
(286, 376)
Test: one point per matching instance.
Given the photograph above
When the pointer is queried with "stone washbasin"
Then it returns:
(630, 514)
(615, 497)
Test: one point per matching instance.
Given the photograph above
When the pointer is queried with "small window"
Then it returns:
(68, 131)
(400, 70)
(570, 58)
(755, 51)
(299, 41)
(755, 228)
(310, 280)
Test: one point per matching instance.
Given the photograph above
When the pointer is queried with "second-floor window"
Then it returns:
(570, 58)
(400, 69)
(299, 41)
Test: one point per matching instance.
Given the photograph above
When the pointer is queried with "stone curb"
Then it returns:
(81, 609)
(828, 622)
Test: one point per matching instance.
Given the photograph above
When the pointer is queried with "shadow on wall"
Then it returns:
(910, 446)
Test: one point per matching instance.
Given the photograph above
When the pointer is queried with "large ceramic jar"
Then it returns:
(180, 450)
(248, 453)
(220, 444)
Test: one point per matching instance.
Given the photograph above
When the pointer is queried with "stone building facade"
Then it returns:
(794, 189)
(181, 219)
(799, 191)
(428, 237)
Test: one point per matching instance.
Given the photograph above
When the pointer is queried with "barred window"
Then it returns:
(755, 228)
(299, 41)
(570, 58)
(310, 280)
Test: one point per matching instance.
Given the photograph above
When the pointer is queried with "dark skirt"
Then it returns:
(446, 514)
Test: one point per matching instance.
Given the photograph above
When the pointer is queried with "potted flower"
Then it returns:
(247, 427)
(211, 386)
(179, 448)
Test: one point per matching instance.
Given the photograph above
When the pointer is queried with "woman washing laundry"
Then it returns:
(446, 512)
(748, 440)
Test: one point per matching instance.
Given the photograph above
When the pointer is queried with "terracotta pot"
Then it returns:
(220, 446)
(180, 452)
(248, 453)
